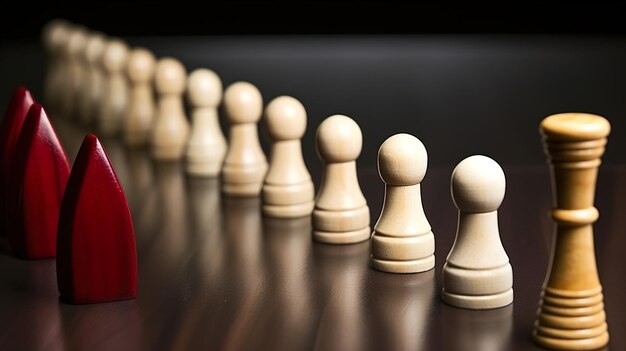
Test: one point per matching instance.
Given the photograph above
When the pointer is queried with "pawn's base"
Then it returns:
(351, 237)
(478, 302)
(412, 266)
(241, 189)
(289, 211)
(167, 152)
(556, 343)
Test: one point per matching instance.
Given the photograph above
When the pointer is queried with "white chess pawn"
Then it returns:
(55, 36)
(341, 214)
(477, 273)
(402, 241)
(75, 70)
(91, 92)
(141, 108)
(207, 145)
(171, 129)
(245, 164)
(115, 94)
(287, 190)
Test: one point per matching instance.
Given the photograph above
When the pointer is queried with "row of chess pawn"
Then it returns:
(477, 273)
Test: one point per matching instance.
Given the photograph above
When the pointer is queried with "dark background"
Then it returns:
(464, 79)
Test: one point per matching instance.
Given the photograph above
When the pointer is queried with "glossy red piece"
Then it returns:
(36, 184)
(96, 252)
(9, 132)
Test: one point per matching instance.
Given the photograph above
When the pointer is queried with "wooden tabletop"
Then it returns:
(214, 274)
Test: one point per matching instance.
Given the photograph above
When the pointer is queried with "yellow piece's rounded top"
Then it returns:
(141, 65)
(94, 48)
(55, 34)
(115, 55)
(243, 103)
(402, 160)
(77, 41)
(575, 127)
(338, 139)
(170, 76)
(478, 185)
(285, 118)
(204, 88)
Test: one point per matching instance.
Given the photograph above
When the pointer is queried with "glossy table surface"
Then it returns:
(214, 274)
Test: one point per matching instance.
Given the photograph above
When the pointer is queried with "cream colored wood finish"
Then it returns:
(141, 110)
(477, 273)
(171, 129)
(207, 145)
(76, 71)
(55, 36)
(115, 93)
(341, 214)
(91, 92)
(571, 315)
(245, 164)
(402, 241)
(288, 189)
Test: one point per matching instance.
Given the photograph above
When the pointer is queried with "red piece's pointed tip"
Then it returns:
(36, 110)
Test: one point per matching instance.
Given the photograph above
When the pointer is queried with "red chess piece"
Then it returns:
(36, 184)
(96, 253)
(9, 132)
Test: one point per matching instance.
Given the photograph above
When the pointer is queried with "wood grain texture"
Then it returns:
(37, 180)
(96, 254)
(571, 315)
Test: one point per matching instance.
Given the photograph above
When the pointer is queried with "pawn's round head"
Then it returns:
(141, 65)
(204, 88)
(94, 48)
(115, 55)
(243, 103)
(285, 118)
(338, 139)
(55, 35)
(478, 185)
(170, 76)
(402, 160)
(76, 42)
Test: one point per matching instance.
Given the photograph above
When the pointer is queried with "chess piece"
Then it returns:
(115, 94)
(10, 129)
(245, 164)
(96, 253)
(75, 70)
(55, 35)
(403, 241)
(341, 214)
(571, 315)
(91, 92)
(207, 146)
(141, 108)
(287, 190)
(171, 129)
(37, 180)
(477, 273)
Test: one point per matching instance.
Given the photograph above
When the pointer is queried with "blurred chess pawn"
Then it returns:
(75, 70)
(403, 241)
(207, 146)
(341, 214)
(171, 129)
(245, 164)
(91, 92)
(287, 190)
(55, 36)
(477, 273)
(115, 93)
(141, 108)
